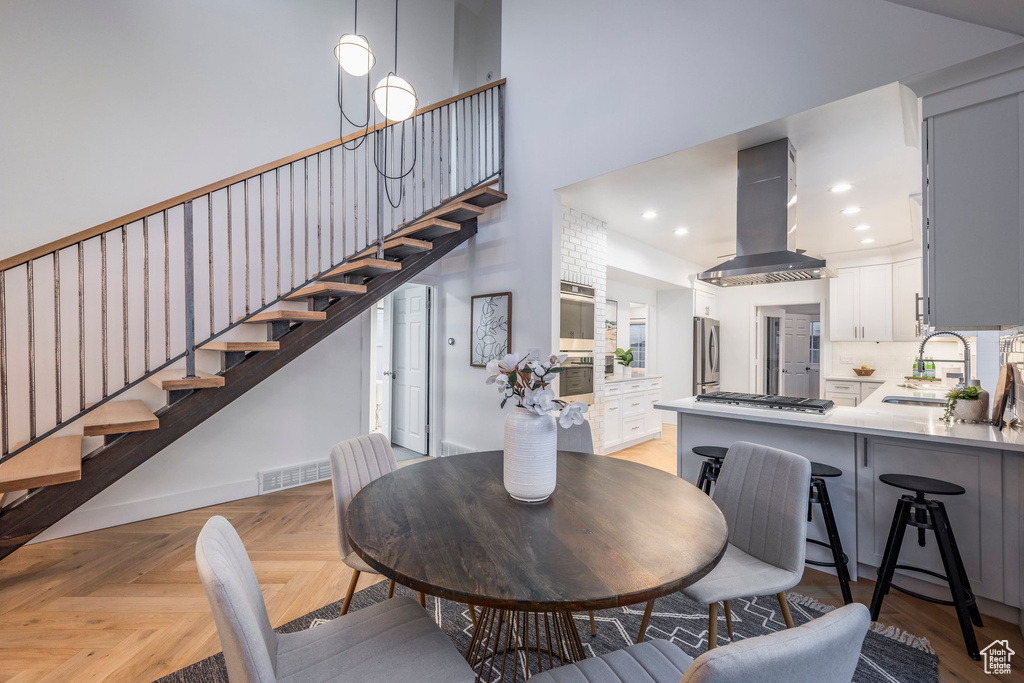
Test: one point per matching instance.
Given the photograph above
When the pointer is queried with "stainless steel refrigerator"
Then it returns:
(706, 351)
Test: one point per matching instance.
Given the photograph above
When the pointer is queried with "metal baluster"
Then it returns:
(81, 328)
(4, 431)
(501, 138)
(330, 183)
(190, 320)
(477, 144)
(413, 175)
(145, 294)
(103, 306)
(167, 294)
(305, 214)
(423, 167)
(319, 205)
(31, 354)
(344, 188)
(56, 332)
(231, 280)
(291, 209)
(124, 298)
(488, 105)
(461, 143)
(209, 244)
(366, 185)
(245, 241)
(277, 228)
(380, 215)
(446, 181)
(263, 251)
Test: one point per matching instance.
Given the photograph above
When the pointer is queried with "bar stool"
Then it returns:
(712, 465)
(819, 495)
(926, 514)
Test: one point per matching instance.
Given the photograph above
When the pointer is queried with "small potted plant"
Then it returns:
(963, 403)
(624, 357)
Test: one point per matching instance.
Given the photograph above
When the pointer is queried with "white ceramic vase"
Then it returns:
(531, 455)
(627, 371)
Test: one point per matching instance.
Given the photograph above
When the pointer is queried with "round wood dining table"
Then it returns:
(614, 533)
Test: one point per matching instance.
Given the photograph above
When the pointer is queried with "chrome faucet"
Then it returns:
(967, 355)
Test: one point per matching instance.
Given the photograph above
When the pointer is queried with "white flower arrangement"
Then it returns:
(528, 382)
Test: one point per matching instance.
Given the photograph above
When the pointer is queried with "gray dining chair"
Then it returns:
(763, 494)
(825, 650)
(354, 464)
(393, 640)
(577, 438)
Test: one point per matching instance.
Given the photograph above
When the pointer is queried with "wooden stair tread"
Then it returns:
(291, 316)
(484, 196)
(363, 267)
(120, 417)
(175, 380)
(244, 346)
(428, 229)
(327, 289)
(457, 212)
(51, 461)
(398, 247)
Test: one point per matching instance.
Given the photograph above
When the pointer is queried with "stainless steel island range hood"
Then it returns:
(766, 222)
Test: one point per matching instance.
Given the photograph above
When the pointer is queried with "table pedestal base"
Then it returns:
(508, 639)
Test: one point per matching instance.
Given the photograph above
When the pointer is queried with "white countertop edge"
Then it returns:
(871, 418)
(610, 380)
(854, 378)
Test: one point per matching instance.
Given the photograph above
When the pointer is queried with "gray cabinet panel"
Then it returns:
(973, 216)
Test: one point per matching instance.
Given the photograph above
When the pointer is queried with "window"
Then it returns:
(815, 357)
(638, 343)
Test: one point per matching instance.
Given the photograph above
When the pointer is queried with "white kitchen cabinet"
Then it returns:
(705, 304)
(906, 300)
(973, 216)
(843, 393)
(860, 303)
(976, 517)
(629, 414)
(868, 388)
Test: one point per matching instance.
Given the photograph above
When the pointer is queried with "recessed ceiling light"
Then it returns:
(649, 213)
(681, 231)
(841, 187)
(867, 240)
(792, 201)
(816, 271)
(850, 210)
(862, 227)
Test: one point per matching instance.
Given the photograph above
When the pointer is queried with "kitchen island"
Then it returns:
(876, 438)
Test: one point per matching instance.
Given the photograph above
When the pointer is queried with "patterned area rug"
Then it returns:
(888, 655)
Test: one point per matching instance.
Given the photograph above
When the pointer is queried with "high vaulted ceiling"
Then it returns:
(868, 141)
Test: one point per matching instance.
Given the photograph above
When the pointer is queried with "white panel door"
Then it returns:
(876, 303)
(843, 305)
(906, 290)
(796, 346)
(409, 401)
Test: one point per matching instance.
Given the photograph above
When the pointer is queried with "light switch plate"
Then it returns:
(848, 360)
(533, 354)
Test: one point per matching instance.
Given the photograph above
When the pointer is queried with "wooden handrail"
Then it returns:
(77, 237)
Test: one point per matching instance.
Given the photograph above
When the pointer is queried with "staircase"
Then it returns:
(86, 322)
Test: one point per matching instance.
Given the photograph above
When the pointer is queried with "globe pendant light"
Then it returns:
(395, 98)
(354, 55)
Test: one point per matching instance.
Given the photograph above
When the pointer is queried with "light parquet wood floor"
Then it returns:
(125, 604)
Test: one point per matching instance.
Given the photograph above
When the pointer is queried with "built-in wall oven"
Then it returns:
(576, 339)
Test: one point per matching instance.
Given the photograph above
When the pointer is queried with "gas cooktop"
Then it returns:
(802, 405)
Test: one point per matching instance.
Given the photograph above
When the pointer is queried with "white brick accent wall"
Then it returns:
(584, 261)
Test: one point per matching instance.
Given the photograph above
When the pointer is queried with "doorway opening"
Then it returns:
(402, 365)
(789, 350)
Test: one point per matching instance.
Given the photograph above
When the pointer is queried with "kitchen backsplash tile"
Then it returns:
(893, 360)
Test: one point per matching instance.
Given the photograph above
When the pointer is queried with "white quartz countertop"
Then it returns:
(871, 417)
(854, 378)
(634, 378)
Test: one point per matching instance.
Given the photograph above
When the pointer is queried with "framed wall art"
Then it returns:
(490, 327)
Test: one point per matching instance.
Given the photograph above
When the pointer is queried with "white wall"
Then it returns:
(112, 105)
(737, 307)
(626, 294)
(675, 345)
(477, 43)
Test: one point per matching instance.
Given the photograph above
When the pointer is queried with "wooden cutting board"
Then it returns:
(1002, 395)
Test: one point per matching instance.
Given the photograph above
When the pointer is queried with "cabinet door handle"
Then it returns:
(636, 405)
(862, 335)
(854, 331)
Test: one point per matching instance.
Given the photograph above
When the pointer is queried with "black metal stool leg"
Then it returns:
(973, 607)
(835, 543)
(703, 483)
(953, 567)
(892, 553)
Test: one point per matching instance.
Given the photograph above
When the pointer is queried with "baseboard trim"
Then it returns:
(82, 521)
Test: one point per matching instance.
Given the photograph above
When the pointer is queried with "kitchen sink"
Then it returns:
(915, 401)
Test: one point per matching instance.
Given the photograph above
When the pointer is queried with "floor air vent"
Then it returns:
(296, 475)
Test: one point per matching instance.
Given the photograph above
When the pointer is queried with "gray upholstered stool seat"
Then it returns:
(653, 661)
(358, 563)
(361, 646)
(825, 650)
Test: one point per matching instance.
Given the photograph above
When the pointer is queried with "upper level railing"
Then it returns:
(85, 318)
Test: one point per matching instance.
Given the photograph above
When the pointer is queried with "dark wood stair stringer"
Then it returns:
(22, 523)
